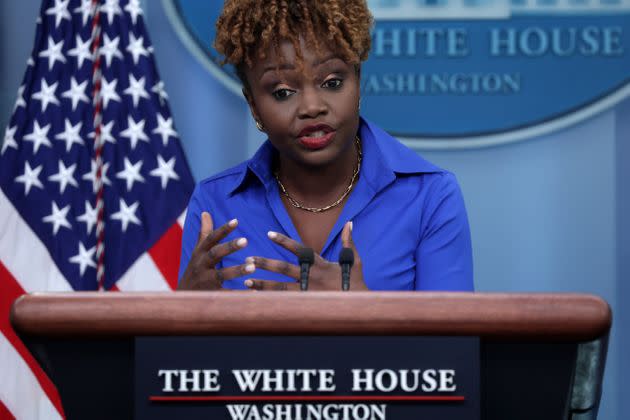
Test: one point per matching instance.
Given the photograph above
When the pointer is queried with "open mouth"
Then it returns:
(317, 139)
(316, 136)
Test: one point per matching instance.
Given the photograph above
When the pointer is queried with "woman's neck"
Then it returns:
(321, 185)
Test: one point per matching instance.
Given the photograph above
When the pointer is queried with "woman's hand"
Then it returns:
(201, 273)
(323, 275)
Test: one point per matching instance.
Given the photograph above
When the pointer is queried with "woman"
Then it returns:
(325, 178)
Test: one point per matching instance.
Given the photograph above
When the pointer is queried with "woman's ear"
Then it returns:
(252, 105)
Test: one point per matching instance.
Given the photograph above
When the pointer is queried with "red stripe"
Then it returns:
(422, 398)
(165, 253)
(5, 414)
(11, 290)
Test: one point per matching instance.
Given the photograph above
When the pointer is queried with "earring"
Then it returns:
(259, 126)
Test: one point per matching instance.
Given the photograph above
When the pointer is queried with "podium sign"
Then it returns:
(307, 377)
(478, 355)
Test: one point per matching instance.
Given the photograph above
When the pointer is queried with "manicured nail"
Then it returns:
(249, 260)
(351, 223)
(241, 242)
(250, 268)
(249, 283)
(233, 222)
(272, 235)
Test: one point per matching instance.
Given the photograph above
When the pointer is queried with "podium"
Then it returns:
(541, 356)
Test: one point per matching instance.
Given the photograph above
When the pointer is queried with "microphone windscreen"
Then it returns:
(346, 256)
(306, 256)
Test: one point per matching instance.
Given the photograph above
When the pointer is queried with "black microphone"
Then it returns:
(346, 259)
(306, 257)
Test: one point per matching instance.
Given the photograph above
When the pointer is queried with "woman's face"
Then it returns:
(310, 115)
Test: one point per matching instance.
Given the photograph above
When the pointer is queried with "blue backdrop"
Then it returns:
(547, 214)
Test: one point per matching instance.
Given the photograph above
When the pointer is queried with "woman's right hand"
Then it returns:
(201, 272)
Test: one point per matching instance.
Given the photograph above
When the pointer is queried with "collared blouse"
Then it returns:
(409, 220)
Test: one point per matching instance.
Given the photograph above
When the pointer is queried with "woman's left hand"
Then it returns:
(323, 275)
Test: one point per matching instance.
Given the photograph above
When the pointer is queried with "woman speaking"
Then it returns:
(325, 178)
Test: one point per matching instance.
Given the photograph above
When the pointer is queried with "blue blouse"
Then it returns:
(409, 221)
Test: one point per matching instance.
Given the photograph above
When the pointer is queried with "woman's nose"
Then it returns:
(311, 104)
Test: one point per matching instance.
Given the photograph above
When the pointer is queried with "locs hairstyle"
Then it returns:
(247, 29)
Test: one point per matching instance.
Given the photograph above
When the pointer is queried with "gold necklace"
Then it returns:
(355, 174)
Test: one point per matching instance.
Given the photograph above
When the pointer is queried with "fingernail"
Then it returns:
(250, 268)
(272, 235)
(241, 242)
(233, 222)
(351, 223)
(249, 260)
(249, 283)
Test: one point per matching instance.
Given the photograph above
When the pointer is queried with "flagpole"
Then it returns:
(98, 145)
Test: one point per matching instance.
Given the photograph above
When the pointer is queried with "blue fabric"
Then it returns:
(409, 221)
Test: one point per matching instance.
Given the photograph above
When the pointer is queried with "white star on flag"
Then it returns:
(58, 218)
(64, 177)
(136, 89)
(89, 217)
(46, 94)
(85, 258)
(60, 10)
(39, 136)
(158, 88)
(110, 49)
(30, 178)
(131, 173)
(91, 176)
(106, 133)
(86, 11)
(165, 170)
(9, 139)
(127, 214)
(134, 10)
(53, 53)
(134, 132)
(20, 102)
(76, 93)
(82, 49)
(108, 92)
(71, 134)
(136, 48)
(164, 128)
(111, 8)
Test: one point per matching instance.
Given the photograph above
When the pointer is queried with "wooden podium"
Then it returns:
(542, 356)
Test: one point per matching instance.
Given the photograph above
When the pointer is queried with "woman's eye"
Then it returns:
(332, 83)
(282, 93)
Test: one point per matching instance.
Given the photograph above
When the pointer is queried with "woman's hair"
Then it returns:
(246, 29)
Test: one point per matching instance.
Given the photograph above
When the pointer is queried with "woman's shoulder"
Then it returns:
(396, 155)
(223, 182)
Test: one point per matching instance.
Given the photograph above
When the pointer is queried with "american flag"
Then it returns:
(93, 181)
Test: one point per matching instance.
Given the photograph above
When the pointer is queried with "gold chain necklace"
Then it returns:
(355, 174)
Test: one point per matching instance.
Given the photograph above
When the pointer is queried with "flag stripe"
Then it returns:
(5, 414)
(182, 219)
(143, 275)
(21, 361)
(20, 246)
(165, 254)
(19, 389)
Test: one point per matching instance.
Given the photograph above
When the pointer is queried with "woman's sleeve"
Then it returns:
(190, 234)
(444, 254)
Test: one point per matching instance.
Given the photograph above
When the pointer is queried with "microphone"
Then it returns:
(306, 257)
(346, 259)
